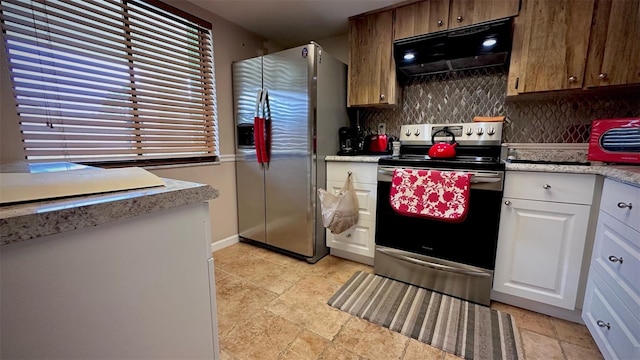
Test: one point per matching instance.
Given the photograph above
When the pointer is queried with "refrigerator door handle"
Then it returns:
(258, 130)
(267, 127)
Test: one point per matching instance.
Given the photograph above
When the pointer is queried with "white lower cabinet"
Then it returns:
(612, 304)
(357, 243)
(540, 250)
(542, 236)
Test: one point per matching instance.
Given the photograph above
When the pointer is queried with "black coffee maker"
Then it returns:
(348, 141)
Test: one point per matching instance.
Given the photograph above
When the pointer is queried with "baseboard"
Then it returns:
(550, 310)
(221, 244)
(351, 256)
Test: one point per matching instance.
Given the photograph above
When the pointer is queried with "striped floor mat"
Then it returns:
(456, 326)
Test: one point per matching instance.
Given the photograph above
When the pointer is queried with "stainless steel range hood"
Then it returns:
(475, 46)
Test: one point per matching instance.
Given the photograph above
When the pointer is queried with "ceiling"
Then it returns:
(292, 22)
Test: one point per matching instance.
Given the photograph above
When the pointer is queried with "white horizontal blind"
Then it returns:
(110, 80)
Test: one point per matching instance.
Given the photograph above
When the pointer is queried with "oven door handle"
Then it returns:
(476, 177)
(485, 178)
(434, 265)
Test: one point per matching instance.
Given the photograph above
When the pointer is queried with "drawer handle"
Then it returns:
(349, 235)
(546, 186)
(622, 205)
(603, 324)
(615, 259)
(508, 203)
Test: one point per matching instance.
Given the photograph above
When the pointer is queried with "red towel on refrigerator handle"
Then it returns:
(433, 194)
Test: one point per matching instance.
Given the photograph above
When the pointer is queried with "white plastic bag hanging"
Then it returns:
(339, 211)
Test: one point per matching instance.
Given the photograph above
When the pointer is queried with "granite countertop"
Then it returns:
(625, 173)
(354, 158)
(30, 220)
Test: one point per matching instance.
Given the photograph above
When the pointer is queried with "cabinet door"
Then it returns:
(372, 71)
(614, 50)
(554, 48)
(421, 18)
(467, 12)
(366, 194)
(359, 240)
(540, 246)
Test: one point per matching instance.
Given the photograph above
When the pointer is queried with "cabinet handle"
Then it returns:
(546, 186)
(349, 235)
(508, 203)
(603, 324)
(440, 22)
(572, 79)
(602, 76)
(459, 19)
(622, 205)
(615, 259)
(381, 96)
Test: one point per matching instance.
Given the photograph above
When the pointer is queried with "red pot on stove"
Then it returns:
(443, 150)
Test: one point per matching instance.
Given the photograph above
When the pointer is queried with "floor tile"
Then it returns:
(237, 300)
(575, 352)
(370, 340)
(271, 306)
(417, 350)
(573, 333)
(313, 316)
(526, 319)
(263, 336)
(336, 352)
(308, 345)
(540, 347)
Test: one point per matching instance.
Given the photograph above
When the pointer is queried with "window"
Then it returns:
(111, 80)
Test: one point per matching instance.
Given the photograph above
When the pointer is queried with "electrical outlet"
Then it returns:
(382, 128)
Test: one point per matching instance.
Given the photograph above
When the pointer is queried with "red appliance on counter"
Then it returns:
(378, 143)
(615, 140)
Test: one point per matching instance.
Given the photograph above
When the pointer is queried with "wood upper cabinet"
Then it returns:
(372, 70)
(573, 44)
(614, 50)
(421, 18)
(429, 16)
(550, 52)
(467, 12)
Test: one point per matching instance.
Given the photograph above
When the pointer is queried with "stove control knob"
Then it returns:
(417, 133)
(469, 132)
(479, 131)
(491, 131)
(408, 133)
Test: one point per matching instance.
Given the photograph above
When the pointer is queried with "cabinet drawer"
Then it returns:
(615, 241)
(366, 197)
(365, 173)
(615, 197)
(621, 340)
(569, 188)
(359, 239)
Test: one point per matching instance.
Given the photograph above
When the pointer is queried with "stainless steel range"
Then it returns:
(457, 259)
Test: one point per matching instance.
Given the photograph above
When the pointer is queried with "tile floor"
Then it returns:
(271, 306)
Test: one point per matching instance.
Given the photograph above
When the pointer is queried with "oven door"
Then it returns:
(472, 241)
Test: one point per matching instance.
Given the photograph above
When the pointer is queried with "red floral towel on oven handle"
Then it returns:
(438, 195)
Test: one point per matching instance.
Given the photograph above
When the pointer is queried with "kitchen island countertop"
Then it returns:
(30, 220)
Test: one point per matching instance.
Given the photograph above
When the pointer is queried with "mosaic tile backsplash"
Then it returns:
(458, 97)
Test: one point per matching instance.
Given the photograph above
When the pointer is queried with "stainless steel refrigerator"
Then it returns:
(277, 204)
